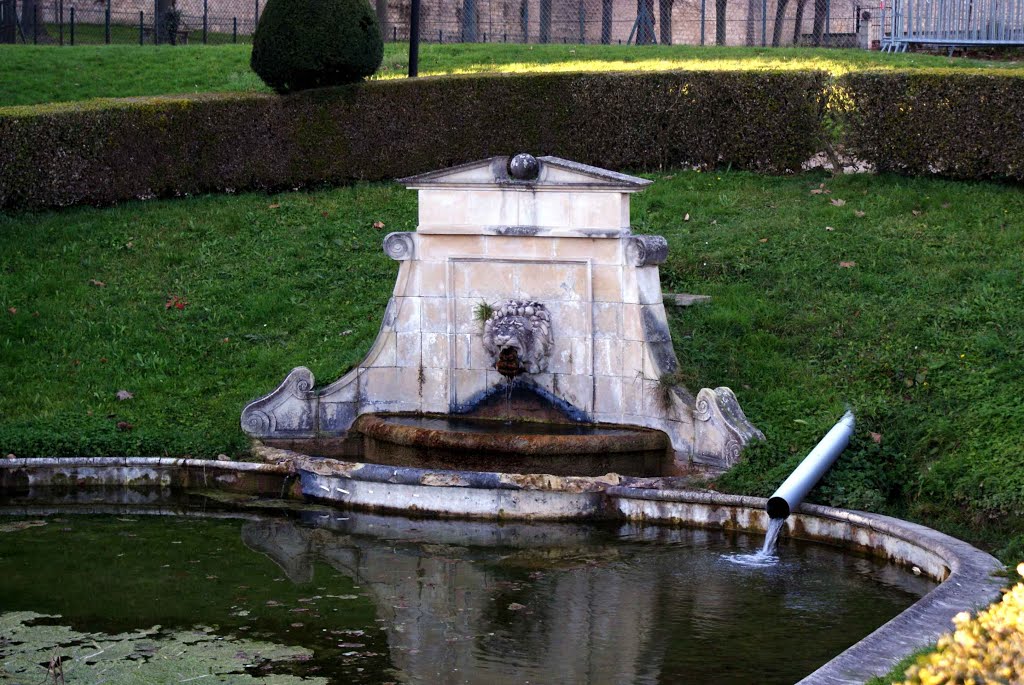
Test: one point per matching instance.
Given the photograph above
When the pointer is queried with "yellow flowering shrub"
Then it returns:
(984, 650)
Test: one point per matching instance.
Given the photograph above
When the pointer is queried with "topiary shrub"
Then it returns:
(302, 44)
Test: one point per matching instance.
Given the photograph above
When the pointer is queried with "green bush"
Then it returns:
(950, 123)
(986, 648)
(107, 151)
(302, 44)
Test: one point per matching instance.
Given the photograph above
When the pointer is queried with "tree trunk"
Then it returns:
(545, 21)
(820, 12)
(160, 21)
(382, 19)
(33, 20)
(8, 21)
(753, 16)
(720, 21)
(798, 22)
(645, 22)
(780, 22)
(606, 21)
(665, 21)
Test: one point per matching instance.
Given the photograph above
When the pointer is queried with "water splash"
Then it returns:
(771, 538)
(767, 555)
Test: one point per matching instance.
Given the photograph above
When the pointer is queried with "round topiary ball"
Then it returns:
(303, 44)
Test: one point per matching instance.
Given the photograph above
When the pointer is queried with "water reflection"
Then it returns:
(513, 603)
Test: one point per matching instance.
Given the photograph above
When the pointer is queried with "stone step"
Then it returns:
(686, 299)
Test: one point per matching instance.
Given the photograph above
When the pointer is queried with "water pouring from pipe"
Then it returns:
(508, 366)
(794, 489)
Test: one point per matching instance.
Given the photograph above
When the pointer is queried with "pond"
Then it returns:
(198, 593)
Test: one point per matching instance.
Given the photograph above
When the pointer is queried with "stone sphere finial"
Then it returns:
(524, 167)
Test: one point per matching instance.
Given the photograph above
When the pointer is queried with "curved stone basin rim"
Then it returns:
(970, 583)
(494, 435)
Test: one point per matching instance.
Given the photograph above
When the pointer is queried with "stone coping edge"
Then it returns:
(133, 462)
(970, 582)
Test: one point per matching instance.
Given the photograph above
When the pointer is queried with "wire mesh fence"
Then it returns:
(639, 22)
(91, 22)
(837, 23)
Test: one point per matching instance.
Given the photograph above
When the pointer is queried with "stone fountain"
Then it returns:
(521, 271)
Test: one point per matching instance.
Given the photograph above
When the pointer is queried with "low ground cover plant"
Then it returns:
(986, 648)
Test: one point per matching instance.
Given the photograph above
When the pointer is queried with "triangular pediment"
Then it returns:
(554, 173)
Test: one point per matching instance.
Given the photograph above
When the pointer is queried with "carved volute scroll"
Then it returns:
(400, 246)
(646, 250)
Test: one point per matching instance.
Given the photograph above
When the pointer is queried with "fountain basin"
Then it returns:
(966, 574)
(270, 596)
(528, 447)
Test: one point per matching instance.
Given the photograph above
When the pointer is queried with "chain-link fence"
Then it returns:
(836, 23)
(87, 22)
(676, 22)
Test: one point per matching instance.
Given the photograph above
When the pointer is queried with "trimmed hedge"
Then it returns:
(956, 124)
(106, 151)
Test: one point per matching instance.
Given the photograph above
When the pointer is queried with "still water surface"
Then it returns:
(321, 596)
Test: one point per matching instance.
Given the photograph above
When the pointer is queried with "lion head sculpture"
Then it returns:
(524, 327)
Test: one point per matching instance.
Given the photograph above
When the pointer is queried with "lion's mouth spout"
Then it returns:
(508, 363)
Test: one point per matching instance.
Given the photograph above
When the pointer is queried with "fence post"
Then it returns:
(58, 9)
(414, 39)
(703, 16)
(142, 28)
(206, 17)
(72, 24)
(255, 16)
(106, 24)
(158, 22)
(35, 24)
(234, 29)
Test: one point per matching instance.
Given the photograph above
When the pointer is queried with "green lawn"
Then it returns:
(39, 74)
(904, 301)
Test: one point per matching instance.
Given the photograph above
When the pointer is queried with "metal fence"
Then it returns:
(71, 22)
(840, 23)
(678, 22)
(952, 23)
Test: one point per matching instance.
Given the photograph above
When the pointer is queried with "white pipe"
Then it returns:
(793, 490)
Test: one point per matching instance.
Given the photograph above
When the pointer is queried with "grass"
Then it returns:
(127, 34)
(262, 287)
(904, 300)
(897, 673)
(41, 74)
